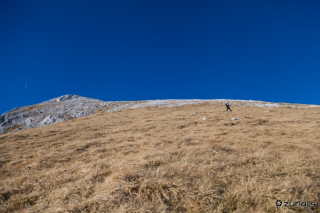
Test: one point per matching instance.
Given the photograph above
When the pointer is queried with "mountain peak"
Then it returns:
(66, 97)
(55, 110)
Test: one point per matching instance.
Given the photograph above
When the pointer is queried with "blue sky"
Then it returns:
(139, 50)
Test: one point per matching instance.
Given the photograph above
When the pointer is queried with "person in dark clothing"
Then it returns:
(228, 107)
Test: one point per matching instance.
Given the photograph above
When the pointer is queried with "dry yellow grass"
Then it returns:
(165, 160)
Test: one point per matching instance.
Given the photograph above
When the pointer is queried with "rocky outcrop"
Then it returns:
(56, 110)
(67, 97)
(50, 119)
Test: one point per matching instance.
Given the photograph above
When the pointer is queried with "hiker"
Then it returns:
(228, 107)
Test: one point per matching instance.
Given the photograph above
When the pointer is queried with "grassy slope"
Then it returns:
(165, 159)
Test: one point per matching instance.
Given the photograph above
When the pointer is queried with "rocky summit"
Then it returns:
(59, 109)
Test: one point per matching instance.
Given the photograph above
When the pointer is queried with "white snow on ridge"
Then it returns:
(181, 102)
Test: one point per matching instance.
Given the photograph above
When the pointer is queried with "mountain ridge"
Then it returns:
(66, 107)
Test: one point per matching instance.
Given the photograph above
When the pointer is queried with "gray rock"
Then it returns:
(49, 112)
(29, 121)
(50, 119)
(2, 119)
(67, 97)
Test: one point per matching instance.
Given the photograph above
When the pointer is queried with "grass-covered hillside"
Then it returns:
(165, 159)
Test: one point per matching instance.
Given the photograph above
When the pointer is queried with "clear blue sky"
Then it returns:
(157, 49)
